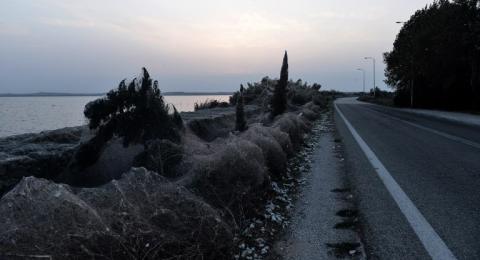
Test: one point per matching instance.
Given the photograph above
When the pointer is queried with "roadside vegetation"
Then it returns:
(209, 104)
(171, 192)
(435, 61)
(278, 101)
(135, 112)
(240, 120)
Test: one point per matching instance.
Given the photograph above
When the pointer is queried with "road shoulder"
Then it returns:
(324, 223)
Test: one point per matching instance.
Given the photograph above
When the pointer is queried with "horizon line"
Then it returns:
(60, 94)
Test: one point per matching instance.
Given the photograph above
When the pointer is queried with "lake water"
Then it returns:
(19, 115)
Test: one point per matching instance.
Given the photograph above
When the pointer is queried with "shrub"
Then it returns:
(294, 126)
(316, 86)
(275, 156)
(209, 128)
(321, 100)
(161, 156)
(313, 107)
(258, 92)
(208, 104)
(278, 102)
(230, 177)
(136, 112)
(309, 114)
(283, 139)
(138, 216)
(261, 93)
(301, 98)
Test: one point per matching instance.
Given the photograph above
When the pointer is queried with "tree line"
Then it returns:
(435, 61)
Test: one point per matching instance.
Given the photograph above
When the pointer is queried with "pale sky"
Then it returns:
(91, 45)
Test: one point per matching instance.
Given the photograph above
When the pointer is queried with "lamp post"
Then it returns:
(412, 73)
(374, 82)
(363, 72)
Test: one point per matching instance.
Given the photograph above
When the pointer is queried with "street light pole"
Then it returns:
(363, 72)
(374, 81)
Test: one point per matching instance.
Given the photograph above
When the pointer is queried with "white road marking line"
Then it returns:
(448, 136)
(433, 243)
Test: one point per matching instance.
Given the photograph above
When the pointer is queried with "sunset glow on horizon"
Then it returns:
(89, 46)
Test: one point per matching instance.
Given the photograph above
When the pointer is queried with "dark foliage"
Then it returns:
(161, 156)
(321, 100)
(208, 104)
(255, 93)
(300, 93)
(240, 121)
(136, 112)
(260, 93)
(278, 102)
(211, 128)
(437, 57)
(177, 119)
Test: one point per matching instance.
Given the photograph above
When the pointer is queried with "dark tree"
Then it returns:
(240, 121)
(279, 99)
(137, 113)
(436, 55)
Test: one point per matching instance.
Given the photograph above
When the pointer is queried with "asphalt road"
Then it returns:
(435, 163)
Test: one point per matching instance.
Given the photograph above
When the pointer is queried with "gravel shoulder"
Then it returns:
(324, 224)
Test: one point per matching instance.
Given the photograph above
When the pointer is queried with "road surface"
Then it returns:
(417, 182)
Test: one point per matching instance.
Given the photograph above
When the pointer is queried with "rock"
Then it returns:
(44, 154)
(114, 160)
(117, 220)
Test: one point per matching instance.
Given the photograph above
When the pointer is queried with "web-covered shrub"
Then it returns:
(135, 112)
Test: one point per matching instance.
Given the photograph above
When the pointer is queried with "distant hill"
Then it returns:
(61, 94)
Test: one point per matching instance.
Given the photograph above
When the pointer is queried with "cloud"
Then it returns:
(182, 39)
(14, 30)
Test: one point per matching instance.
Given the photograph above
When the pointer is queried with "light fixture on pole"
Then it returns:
(374, 81)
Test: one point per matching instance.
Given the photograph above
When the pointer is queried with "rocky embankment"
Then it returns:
(193, 207)
(42, 155)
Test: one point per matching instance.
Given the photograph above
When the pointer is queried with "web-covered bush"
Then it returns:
(208, 104)
(135, 112)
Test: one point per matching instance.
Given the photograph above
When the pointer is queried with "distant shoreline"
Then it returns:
(54, 94)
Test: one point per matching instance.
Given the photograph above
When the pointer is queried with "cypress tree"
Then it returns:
(278, 102)
(240, 123)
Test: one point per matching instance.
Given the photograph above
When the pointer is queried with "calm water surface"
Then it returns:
(19, 115)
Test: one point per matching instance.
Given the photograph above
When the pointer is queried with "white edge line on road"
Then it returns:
(435, 246)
